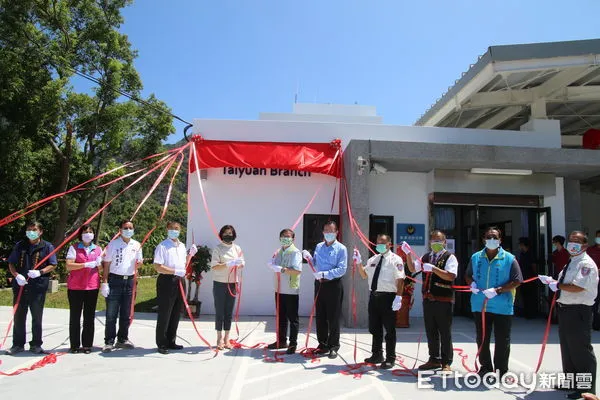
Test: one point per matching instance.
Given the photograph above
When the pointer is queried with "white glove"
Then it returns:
(427, 267)
(240, 262)
(545, 279)
(193, 250)
(179, 272)
(104, 289)
(406, 248)
(275, 268)
(34, 273)
(98, 261)
(90, 264)
(318, 275)
(418, 265)
(21, 280)
(490, 293)
(306, 255)
(553, 286)
(232, 263)
(397, 304)
(474, 288)
(356, 257)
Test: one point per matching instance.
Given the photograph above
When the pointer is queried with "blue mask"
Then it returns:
(127, 233)
(329, 237)
(381, 248)
(173, 233)
(32, 235)
(554, 248)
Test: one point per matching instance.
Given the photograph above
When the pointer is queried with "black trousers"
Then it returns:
(382, 316)
(288, 312)
(82, 300)
(575, 335)
(224, 303)
(501, 325)
(529, 293)
(32, 300)
(328, 312)
(170, 304)
(438, 326)
(596, 312)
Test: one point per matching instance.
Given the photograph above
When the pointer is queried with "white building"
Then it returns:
(490, 151)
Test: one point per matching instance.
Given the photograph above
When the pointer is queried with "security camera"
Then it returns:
(362, 163)
(378, 169)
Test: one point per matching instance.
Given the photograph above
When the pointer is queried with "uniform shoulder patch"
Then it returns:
(585, 271)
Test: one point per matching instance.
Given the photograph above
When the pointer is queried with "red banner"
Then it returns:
(321, 158)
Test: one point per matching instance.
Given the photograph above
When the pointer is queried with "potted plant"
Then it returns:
(198, 265)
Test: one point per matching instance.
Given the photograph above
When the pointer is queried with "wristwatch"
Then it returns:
(283, 269)
(499, 290)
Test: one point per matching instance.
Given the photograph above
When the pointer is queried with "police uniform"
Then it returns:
(383, 272)
(25, 257)
(575, 317)
(438, 297)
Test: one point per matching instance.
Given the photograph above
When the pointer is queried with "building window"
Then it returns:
(313, 229)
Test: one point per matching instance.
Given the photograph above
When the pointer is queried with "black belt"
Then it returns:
(561, 305)
(124, 277)
(382, 293)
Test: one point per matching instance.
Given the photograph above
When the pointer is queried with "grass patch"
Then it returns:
(145, 300)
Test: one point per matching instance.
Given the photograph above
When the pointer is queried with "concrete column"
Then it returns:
(573, 219)
(358, 191)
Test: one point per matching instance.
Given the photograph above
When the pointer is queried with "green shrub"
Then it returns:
(4, 276)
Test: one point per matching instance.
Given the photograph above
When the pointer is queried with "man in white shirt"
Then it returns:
(170, 261)
(441, 268)
(121, 258)
(385, 274)
(577, 288)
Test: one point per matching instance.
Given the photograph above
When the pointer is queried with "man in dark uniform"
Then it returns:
(528, 266)
(441, 268)
(577, 287)
(22, 262)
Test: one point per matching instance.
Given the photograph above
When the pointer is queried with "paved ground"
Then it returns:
(243, 374)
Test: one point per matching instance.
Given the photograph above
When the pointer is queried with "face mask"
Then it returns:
(437, 246)
(381, 248)
(228, 238)
(573, 248)
(597, 240)
(173, 234)
(554, 248)
(127, 233)
(32, 235)
(329, 237)
(492, 244)
(286, 241)
(87, 237)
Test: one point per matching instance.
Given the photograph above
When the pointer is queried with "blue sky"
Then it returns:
(226, 59)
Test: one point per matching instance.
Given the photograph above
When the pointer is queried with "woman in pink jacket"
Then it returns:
(83, 259)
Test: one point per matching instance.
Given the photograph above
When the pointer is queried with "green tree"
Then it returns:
(52, 135)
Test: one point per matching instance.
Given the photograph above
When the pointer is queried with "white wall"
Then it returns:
(590, 203)
(295, 131)
(403, 195)
(259, 207)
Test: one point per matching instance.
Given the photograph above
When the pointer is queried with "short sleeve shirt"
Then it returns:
(392, 269)
(582, 272)
(123, 256)
(171, 254)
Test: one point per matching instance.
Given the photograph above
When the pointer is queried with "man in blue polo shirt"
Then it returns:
(22, 263)
(330, 260)
(493, 274)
